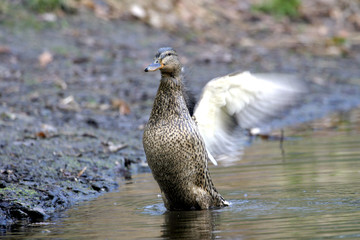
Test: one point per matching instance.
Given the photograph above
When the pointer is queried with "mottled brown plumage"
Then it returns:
(173, 146)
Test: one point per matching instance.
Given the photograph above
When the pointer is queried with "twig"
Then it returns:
(81, 172)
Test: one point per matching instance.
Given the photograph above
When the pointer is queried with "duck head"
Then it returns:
(166, 60)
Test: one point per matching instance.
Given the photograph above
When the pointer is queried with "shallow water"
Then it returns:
(308, 188)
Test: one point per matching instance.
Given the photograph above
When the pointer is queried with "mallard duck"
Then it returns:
(174, 147)
(181, 135)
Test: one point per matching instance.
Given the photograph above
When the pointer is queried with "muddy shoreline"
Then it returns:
(72, 128)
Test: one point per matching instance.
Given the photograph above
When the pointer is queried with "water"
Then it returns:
(308, 188)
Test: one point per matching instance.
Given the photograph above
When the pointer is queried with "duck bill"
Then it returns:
(153, 67)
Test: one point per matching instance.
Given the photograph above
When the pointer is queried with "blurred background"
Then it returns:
(84, 56)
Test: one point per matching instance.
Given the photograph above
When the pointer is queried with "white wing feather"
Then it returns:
(241, 99)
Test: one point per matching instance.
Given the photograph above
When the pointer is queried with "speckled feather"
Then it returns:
(174, 148)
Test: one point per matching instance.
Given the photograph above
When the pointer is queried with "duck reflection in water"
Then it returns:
(189, 224)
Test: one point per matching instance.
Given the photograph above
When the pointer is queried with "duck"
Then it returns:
(183, 135)
(173, 145)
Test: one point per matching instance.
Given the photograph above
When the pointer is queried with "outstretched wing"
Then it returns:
(241, 100)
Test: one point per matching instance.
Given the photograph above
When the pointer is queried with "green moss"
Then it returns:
(279, 8)
(42, 6)
(4, 7)
(18, 18)
(18, 194)
(339, 41)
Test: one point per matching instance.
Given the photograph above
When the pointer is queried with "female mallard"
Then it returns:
(174, 148)
(176, 134)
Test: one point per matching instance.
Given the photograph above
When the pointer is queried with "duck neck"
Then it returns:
(169, 101)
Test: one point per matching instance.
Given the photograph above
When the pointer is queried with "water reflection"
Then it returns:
(189, 225)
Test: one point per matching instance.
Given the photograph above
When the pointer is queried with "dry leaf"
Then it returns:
(41, 134)
(104, 106)
(69, 103)
(89, 4)
(123, 107)
(45, 58)
(68, 100)
(115, 148)
(4, 50)
(102, 11)
(49, 17)
(60, 83)
(48, 128)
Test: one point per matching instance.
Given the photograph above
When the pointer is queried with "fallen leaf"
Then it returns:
(123, 107)
(45, 58)
(41, 134)
(68, 100)
(104, 106)
(60, 83)
(101, 8)
(48, 128)
(101, 11)
(48, 17)
(4, 50)
(69, 103)
(114, 147)
(89, 4)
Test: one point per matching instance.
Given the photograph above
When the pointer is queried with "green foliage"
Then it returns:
(4, 7)
(42, 6)
(17, 17)
(338, 41)
(279, 8)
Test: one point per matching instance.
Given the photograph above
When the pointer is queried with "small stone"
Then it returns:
(96, 187)
(2, 184)
(18, 213)
(37, 213)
